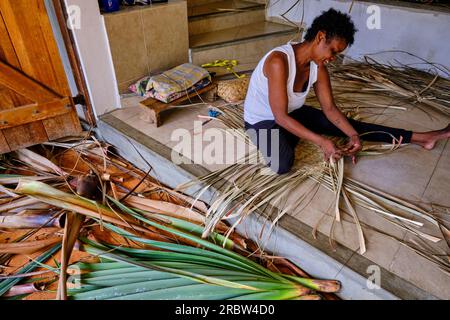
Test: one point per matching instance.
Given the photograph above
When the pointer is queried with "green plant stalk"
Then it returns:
(199, 241)
(7, 284)
(183, 273)
(76, 288)
(195, 229)
(191, 292)
(41, 191)
(197, 252)
(163, 275)
(132, 288)
(282, 294)
(15, 178)
(87, 273)
(308, 297)
(317, 285)
(111, 268)
(100, 266)
(161, 256)
(19, 297)
(142, 276)
(59, 198)
(115, 281)
(102, 277)
(260, 284)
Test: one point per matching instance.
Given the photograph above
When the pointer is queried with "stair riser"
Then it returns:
(247, 53)
(259, 1)
(194, 3)
(224, 21)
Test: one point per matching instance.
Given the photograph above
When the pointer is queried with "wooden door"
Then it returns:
(35, 99)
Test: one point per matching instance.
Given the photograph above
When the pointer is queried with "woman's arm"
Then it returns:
(276, 71)
(322, 87)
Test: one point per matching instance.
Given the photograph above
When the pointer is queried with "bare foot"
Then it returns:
(428, 139)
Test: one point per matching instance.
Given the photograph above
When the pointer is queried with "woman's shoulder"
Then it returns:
(279, 53)
(277, 57)
(276, 60)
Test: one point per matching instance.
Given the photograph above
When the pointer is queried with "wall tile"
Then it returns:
(166, 36)
(127, 45)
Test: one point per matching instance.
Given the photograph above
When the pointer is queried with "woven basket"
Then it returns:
(233, 90)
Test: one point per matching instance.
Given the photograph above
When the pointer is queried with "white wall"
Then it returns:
(61, 46)
(64, 56)
(420, 32)
(93, 48)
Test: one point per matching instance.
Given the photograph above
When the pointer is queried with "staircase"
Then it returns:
(233, 30)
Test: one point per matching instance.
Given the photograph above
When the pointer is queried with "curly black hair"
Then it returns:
(335, 24)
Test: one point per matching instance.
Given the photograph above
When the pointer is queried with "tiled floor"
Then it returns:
(438, 187)
(179, 118)
(411, 173)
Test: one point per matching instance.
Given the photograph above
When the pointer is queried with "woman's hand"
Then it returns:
(330, 150)
(352, 147)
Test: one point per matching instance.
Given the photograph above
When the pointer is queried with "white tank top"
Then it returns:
(256, 105)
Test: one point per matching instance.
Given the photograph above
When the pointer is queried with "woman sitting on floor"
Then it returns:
(277, 92)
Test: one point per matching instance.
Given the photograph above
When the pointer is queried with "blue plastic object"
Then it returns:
(111, 5)
(213, 113)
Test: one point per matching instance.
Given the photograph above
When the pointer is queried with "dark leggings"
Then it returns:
(315, 120)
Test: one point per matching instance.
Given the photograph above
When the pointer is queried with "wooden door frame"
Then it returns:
(83, 98)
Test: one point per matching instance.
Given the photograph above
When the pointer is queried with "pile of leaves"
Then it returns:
(79, 222)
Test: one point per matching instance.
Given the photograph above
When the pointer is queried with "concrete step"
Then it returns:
(219, 20)
(220, 7)
(195, 3)
(247, 44)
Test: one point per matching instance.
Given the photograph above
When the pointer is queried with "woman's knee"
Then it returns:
(284, 169)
